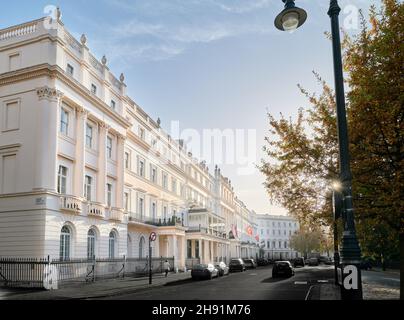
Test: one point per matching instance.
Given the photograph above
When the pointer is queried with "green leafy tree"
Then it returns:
(302, 154)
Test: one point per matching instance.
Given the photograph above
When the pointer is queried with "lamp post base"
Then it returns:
(351, 287)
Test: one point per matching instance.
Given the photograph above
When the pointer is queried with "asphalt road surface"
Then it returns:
(250, 285)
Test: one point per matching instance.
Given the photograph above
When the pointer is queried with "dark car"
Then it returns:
(250, 263)
(222, 268)
(282, 268)
(298, 262)
(204, 271)
(313, 262)
(262, 262)
(323, 259)
(236, 265)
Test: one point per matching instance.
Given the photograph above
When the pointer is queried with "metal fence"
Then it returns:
(33, 272)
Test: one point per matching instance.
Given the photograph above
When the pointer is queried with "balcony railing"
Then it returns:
(158, 222)
(71, 204)
(95, 210)
(209, 231)
(115, 214)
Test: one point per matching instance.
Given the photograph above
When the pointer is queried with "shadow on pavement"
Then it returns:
(179, 282)
(274, 280)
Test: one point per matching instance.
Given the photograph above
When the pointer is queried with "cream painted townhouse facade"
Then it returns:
(275, 233)
(84, 171)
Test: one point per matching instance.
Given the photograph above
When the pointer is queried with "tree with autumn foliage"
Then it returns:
(302, 154)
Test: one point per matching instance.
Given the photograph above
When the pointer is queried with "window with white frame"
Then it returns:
(141, 167)
(126, 201)
(89, 136)
(141, 206)
(93, 88)
(165, 212)
(142, 246)
(165, 180)
(88, 182)
(174, 185)
(109, 147)
(64, 122)
(70, 69)
(111, 245)
(91, 244)
(65, 243)
(153, 210)
(62, 180)
(109, 195)
(127, 160)
(142, 133)
(153, 173)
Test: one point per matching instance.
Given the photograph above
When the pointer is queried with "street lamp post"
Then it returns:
(289, 19)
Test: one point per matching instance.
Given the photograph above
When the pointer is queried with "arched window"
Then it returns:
(112, 244)
(65, 239)
(91, 244)
(141, 247)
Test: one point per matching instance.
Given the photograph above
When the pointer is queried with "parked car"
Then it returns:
(223, 268)
(204, 271)
(237, 265)
(313, 262)
(283, 268)
(250, 263)
(329, 261)
(298, 262)
(323, 259)
(262, 262)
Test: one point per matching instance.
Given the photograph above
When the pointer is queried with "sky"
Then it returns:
(209, 64)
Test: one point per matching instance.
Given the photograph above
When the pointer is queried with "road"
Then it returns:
(250, 285)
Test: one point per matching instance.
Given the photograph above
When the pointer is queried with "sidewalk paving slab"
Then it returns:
(102, 288)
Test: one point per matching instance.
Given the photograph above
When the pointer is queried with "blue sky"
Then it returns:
(206, 63)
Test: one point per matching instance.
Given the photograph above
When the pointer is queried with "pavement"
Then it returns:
(381, 285)
(96, 290)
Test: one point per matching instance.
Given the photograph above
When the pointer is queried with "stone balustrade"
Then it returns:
(71, 204)
(95, 210)
(18, 31)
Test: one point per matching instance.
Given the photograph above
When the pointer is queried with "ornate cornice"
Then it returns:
(51, 94)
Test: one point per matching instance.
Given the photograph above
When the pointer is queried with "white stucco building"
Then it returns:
(84, 170)
(275, 232)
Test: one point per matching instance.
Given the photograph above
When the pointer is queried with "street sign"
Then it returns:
(153, 236)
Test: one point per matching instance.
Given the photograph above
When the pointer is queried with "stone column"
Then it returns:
(79, 165)
(200, 250)
(120, 150)
(175, 251)
(183, 252)
(47, 129)
(102, 162)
